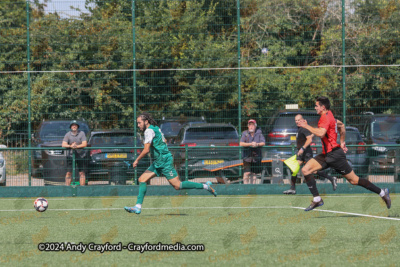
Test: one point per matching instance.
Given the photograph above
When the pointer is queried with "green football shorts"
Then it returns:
(164, 166)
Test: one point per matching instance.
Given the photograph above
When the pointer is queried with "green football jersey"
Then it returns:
(158, 147)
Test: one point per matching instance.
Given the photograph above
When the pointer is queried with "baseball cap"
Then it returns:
(73, 122)
(252, 121)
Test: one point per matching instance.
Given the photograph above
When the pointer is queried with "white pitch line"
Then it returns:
(170, 208)
(194, 197)
(185, 208)
(351, 213)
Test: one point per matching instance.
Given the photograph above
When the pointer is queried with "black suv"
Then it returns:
(170, 127)
(209, 135)
(111, 158)
(381, 130)
(51, 164)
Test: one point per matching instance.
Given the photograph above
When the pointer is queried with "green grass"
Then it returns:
(236, 231)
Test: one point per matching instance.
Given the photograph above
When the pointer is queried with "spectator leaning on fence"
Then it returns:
(76, 140)
(253, 140)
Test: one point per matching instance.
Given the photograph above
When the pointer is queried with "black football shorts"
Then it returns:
(336, 159)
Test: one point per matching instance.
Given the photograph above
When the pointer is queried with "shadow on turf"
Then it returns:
(168, 214)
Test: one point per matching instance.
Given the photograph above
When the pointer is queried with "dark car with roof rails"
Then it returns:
(210, 135)
(281, 130)
(50, 164)
(382, 131)
(356, 154)
(111, 155)
(171, 126)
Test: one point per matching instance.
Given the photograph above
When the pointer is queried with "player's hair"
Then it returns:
(147, 117)
(324, 101)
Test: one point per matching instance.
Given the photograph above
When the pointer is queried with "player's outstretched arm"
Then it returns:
(144, 152)
(320, 132)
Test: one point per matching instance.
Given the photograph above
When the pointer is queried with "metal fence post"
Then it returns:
(29, 93)
(186, 163)
(344, 59)
(134, 82)
(73, 167)
(239, 80)
(397, 164)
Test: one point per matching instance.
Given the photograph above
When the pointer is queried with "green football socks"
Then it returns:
(191, 185)
(142, 193)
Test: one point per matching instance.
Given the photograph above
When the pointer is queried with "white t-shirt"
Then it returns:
(149, 134)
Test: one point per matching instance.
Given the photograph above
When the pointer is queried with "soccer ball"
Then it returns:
(41, 204)
(264, 50)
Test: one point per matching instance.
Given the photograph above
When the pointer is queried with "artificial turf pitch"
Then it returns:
(254, 230)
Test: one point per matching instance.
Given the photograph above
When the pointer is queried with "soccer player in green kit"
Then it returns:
(155, 143)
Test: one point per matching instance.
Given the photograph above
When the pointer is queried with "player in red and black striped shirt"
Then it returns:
(333, 155)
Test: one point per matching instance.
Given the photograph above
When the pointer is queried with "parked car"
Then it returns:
(381, 130)
(3, 175)
(356, 155)
(51, 164)
(111, 158)
(281, 130)
(170, 127)
(210, 135)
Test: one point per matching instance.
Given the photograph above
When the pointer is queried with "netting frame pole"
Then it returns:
(28, 55)
(239, 80)
(134, 82)
(344, 59)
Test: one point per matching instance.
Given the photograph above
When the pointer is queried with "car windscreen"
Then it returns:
(113, 139)
(287, 121)
(55, 131)
(211, 133)
(352, 137)
(170, 128)
(386, 128)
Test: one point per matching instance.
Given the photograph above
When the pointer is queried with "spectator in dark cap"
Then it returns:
(76, 140)
(253, 140)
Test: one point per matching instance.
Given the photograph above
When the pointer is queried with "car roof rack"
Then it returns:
(368, 113)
